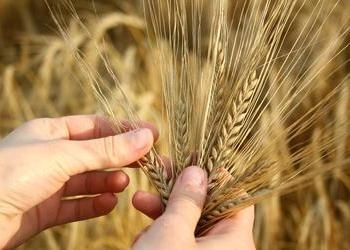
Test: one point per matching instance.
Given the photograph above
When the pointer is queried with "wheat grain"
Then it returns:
(230, 113)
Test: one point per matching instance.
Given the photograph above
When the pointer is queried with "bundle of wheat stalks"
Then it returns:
(228, 85)
(256, 92)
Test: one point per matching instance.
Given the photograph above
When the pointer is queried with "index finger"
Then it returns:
(86, 127)
(95, 126)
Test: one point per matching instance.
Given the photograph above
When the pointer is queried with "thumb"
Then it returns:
(109, 152)
(187, 198)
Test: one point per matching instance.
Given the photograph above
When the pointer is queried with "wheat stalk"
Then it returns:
(218, 122)
(223, 149)
(155, 170)
(229, 118)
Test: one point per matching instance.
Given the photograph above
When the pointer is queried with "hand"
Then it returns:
(174, 229)
(46, 160)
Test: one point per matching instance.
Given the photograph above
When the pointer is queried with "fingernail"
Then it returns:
(194, 177)
(141, 138)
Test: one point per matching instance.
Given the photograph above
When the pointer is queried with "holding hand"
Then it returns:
(174, 229)
(46, 160)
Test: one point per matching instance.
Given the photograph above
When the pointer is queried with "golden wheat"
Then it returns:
(239, 92)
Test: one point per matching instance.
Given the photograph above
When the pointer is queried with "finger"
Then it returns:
(93, 126)
(77, 157)
(242, 222)
(148, 204)
(150, 126)
(82, 127)
(85, 208)
(187, 198)
(96, 183)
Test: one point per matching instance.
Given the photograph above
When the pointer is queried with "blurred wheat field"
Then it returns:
(39, 77)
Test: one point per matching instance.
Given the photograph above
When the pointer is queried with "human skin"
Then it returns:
(174, 229)
(47, 160)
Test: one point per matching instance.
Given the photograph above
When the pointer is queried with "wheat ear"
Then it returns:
(153, 167)
(223, 149)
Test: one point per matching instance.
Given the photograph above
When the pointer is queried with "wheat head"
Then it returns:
(225, 80)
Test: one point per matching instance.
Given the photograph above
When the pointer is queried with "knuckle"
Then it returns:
(185, 200)
(97, 129)
(54, 127)
(189, 198)
(169, 221)
(110, 149)
(55, 149)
